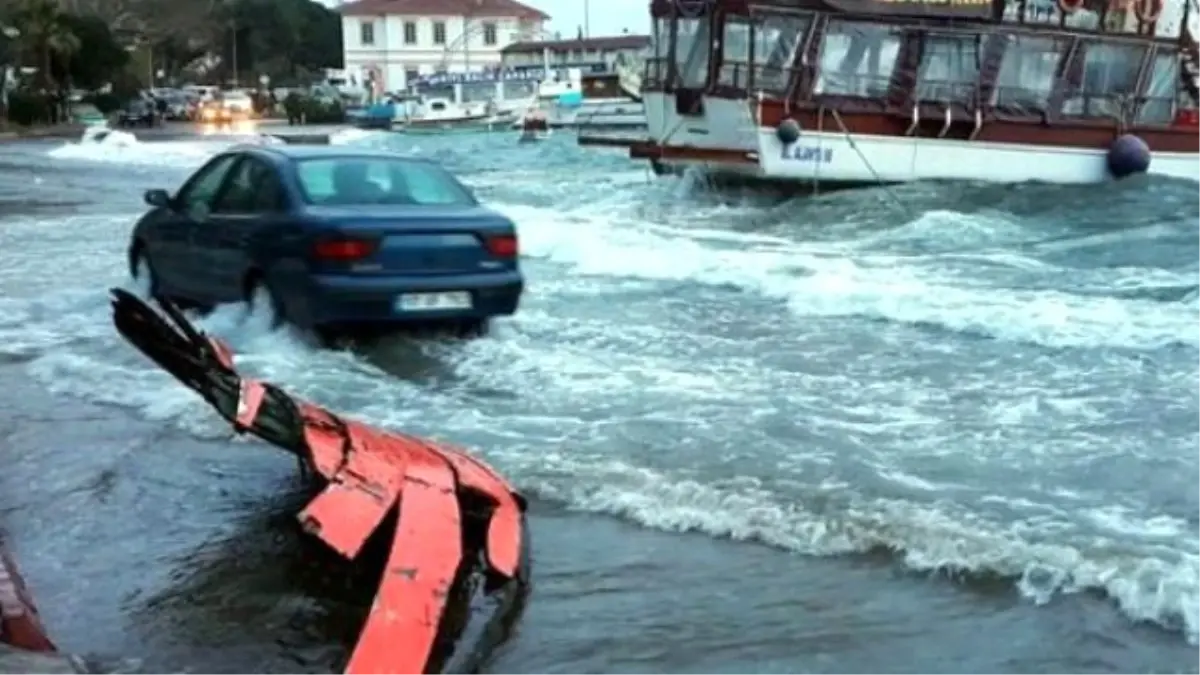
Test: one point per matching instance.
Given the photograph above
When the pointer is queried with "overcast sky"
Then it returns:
(607, 17)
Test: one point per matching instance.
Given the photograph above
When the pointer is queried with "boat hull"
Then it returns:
(728, 142)
(448, 127)
(472, 126)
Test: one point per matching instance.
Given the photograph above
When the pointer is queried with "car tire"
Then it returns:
(139, 262)
(258, 291)
(473, 328)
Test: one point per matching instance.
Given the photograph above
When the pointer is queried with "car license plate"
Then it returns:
(424, 302)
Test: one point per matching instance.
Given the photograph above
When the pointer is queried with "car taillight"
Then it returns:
(343, 250)
(502, 246)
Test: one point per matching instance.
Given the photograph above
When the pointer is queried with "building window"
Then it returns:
(366, 32)
(410, 32)
(439, 32)
(489, 34)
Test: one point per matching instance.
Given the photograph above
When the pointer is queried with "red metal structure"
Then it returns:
(458, 568)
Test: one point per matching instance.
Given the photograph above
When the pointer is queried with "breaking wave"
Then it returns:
(973, 391)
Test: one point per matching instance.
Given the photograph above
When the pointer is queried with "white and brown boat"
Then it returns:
(850, 92)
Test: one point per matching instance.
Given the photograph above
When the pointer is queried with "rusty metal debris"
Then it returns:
(458, 566)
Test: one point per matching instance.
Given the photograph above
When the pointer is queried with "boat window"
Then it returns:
(857, 59)
(692, 47)
(1162, 89)
(735, 58)
(1107, 89)
(949, 68)
(656, 65)
(1027, 73)
(474, 92)
(437, 106)
(776, 39)
(519, 89)
(601, 87)
(444, 91)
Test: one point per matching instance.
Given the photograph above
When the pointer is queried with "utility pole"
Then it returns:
(233, 28)
(587, 16)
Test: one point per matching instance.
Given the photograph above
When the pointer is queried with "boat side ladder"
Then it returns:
(978, 124)
(949, 119)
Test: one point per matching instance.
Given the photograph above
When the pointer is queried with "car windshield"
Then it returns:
(379, 180)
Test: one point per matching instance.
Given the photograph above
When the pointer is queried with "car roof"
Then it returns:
(296, 152)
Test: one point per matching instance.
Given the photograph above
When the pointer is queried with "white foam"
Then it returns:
(100, 144)
(830, 281)
(352, 136)
(550, 381)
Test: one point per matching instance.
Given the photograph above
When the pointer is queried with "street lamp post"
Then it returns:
(9, 34)
(233, 27)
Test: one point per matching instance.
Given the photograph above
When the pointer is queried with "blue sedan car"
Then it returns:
(333, 239)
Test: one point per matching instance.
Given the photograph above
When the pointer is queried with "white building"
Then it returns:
(393, 41)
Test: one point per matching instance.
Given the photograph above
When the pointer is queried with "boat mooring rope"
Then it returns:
(837, 117)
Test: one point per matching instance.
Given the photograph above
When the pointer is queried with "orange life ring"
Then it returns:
(1069, 6)
(1148, 11)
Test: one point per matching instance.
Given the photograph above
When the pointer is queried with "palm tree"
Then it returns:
(46, 34)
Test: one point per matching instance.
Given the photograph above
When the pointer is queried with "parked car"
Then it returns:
(238, 104)
(211, 111)
(174, 105)
(138, 113)
(87, 114)
(340, 240)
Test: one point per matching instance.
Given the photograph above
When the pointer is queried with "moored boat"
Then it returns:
(441, 116)
(851, 92)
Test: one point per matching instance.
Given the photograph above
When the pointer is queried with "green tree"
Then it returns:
(98, 59)
(46, 34)
(285, 39)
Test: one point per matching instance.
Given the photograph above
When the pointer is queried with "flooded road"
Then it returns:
(807, 436)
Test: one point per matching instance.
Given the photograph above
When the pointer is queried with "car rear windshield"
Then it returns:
(379, 180)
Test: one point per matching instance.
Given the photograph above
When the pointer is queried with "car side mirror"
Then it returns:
(158, 198)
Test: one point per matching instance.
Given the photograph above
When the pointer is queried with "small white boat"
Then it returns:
(441, 115)
(593, 101)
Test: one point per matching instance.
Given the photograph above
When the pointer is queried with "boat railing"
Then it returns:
(753, 77)
(735, 74)
(851, 84)
(1019, 101)
(1157, 110)
(950, 92)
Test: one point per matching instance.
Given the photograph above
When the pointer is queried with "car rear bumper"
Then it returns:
(338, 299)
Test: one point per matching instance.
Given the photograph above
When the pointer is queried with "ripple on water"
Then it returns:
(1001, 384)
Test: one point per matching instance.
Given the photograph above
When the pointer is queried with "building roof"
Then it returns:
(497, 8)
(612, 42)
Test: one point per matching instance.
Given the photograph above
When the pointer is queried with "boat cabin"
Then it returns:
(946, 67)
